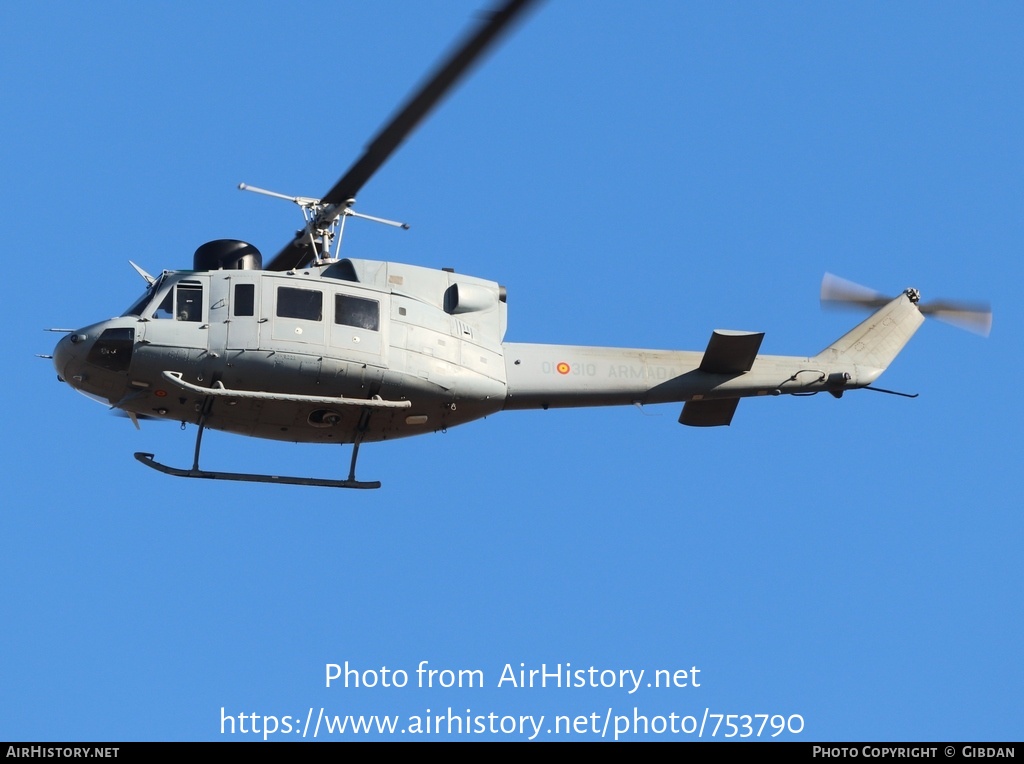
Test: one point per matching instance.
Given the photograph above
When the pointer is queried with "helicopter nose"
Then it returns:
(71, 350)
(95, 360)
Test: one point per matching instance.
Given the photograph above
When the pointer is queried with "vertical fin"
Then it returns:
(877, 340)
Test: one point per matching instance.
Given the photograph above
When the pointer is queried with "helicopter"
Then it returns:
(312, 347)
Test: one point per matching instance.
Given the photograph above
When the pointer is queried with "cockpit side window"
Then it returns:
(189, 299)
(166, 307)
(183, 303)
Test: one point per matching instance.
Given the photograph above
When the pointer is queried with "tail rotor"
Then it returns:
(975, 317)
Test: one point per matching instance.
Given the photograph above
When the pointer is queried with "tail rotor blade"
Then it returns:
(838, 292)
(974, 317)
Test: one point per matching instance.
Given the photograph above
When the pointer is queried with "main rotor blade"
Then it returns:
(423, 101)
(416, 108)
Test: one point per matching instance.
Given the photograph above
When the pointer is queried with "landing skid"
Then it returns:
(150, 461)
(246, 477)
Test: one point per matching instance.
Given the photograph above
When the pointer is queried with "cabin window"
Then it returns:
(307, 304)
(355, 311)
(245, 300)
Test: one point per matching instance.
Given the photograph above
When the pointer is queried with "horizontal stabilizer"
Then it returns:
(714, 413)
(731, 352)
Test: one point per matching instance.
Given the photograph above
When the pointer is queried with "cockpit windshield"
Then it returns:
(181, 301)
(139, 306)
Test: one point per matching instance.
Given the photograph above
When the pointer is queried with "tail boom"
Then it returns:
(563, 376)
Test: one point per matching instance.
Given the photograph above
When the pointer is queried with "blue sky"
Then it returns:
(637, 177)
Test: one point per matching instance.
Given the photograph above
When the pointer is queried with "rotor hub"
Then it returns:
(914, 295)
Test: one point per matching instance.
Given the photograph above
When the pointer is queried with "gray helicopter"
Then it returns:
(315, 348)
